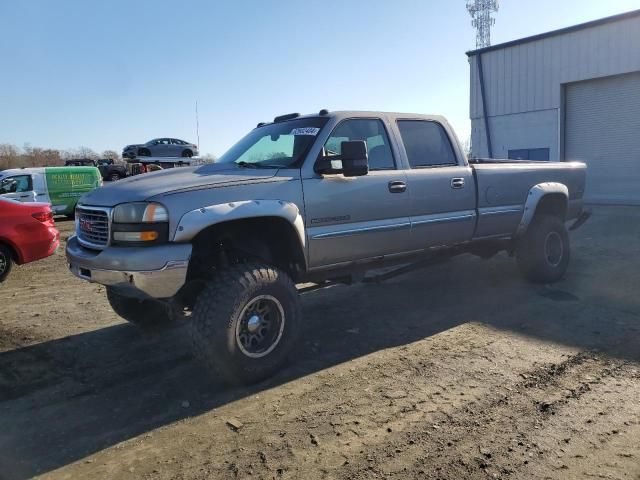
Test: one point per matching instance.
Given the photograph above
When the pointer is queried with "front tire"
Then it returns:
(145, 314)
(245, 322)
(543, 252)
(114, 177)
(6, 262)
(187, 154)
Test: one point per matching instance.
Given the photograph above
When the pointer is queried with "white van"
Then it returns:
(59, 186)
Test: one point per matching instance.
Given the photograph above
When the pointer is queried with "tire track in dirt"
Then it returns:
(356, 413)
(499, 436)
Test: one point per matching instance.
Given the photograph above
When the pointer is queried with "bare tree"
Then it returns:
(40, 157)
(208, 158)
(80, 152)
(112, 154)
(9, 156)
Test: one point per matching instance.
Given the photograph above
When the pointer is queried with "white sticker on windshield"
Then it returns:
(305, 131)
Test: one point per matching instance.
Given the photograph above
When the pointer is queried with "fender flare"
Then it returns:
(536, 193)
(194, 221)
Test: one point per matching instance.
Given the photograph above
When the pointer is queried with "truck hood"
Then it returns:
(147, 185)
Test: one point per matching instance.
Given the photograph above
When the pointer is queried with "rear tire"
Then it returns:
(145, 314)
(245, 322)
(543, 252)
(114, 177)
(6, 262)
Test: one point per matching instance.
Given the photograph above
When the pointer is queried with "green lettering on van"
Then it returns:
(67, 184)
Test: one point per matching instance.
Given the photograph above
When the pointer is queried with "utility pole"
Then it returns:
(197, 126)
(482, 21)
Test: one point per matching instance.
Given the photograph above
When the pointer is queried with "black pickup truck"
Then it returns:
(109, 170)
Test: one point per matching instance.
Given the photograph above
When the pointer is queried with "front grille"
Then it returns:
(93, 227)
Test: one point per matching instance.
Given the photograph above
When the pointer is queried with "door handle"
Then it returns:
(397, 186)
(457, 182)
(25, 196)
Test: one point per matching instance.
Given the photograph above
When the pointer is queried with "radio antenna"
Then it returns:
(197, 126)
(482, 21)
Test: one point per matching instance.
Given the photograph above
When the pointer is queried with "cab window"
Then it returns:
(370, 130)
(426, 144)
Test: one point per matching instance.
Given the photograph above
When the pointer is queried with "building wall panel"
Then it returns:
(529, 76)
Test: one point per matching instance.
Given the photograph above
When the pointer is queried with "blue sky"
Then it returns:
(106, 73)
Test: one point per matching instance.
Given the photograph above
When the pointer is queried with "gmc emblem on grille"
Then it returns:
(86, 225)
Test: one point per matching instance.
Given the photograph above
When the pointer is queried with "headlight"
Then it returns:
(140, 212)
(140, 223)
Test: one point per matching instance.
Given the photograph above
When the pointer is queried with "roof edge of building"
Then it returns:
(553, 33)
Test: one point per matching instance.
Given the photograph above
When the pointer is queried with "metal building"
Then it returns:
(570, 94)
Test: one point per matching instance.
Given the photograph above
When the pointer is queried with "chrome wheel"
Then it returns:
(553, 249)
(260, 327)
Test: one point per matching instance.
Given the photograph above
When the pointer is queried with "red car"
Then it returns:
(27, 233)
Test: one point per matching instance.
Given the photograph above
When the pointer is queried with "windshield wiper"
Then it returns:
(244, 164)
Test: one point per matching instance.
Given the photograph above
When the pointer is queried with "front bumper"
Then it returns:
(154, 271)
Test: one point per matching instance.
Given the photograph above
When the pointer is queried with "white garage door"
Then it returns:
(603, 129)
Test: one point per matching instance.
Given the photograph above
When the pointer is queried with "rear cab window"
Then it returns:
(426, 143)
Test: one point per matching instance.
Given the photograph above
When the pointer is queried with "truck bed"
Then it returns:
(502, 187)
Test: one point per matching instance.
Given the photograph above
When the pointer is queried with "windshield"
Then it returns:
(277, 145)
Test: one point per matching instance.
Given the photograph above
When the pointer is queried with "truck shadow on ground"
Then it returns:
(63, 400)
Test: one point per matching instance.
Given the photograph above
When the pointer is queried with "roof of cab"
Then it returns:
(342, 114)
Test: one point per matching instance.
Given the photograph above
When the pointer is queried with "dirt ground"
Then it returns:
(459, 371)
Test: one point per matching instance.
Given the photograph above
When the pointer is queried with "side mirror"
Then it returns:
(354, 160)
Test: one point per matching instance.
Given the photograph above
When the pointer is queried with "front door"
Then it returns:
(441, 186)
(175, 149)
(18, 187)
(358, 217)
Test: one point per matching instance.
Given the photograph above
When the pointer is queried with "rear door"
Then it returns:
(40, 187)
(441, 185)
(358, 217)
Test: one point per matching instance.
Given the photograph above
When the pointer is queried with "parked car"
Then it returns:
(59, 186)
(161, 147)
(109, 170)
(320, 198)
(27, 233)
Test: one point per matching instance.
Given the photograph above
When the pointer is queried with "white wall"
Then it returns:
(518, 131)
(528, 77)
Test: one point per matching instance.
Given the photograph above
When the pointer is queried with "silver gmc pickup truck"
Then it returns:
(311, 199)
